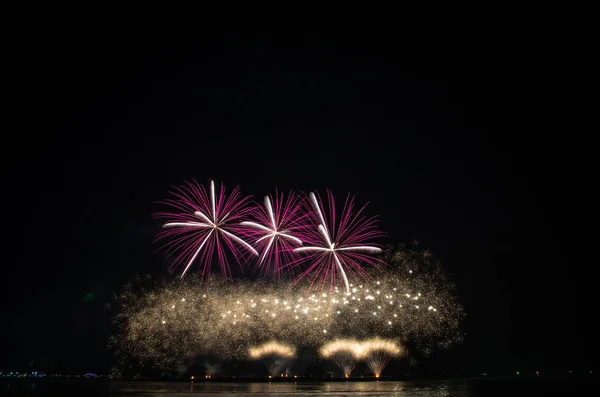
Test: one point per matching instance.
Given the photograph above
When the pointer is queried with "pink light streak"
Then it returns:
(278, 221)
(205, 224)
(337, 249)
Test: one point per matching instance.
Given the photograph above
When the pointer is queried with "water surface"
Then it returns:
(442, 388)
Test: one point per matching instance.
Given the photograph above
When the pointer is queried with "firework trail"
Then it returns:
(274, 231)
(205, 223)
(338, 248)
(344, 352)
(378, 353)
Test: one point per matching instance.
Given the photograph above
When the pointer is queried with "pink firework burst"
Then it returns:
(274, 232)
(338, 249)
(203, 224)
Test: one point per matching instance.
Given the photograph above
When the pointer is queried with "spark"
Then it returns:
(225, 318)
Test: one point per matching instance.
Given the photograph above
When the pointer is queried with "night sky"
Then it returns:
(449, 127)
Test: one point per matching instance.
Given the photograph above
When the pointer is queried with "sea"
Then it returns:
(413, 388)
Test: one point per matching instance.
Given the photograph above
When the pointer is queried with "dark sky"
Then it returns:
(449, 127)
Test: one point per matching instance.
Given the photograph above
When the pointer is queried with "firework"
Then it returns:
(378, 353)
(275, 354)
(338, 248)
(274, 231)
(169, 321)
(272, 349)
(344, 352)
(375, 351)
(203, 225)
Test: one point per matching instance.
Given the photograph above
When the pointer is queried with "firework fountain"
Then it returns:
(344, 352)
(276, 355)
(378, 353)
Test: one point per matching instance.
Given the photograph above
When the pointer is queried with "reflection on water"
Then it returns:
(369, 388)
(451, 388)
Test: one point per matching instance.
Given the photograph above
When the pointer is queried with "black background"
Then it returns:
(450, 126)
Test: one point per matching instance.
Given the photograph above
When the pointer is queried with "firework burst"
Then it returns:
(338, 248)
(205, 224)
(275, 229)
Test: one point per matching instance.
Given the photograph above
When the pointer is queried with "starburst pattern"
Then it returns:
(274, 231)
(338, 249)
(205, 224)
